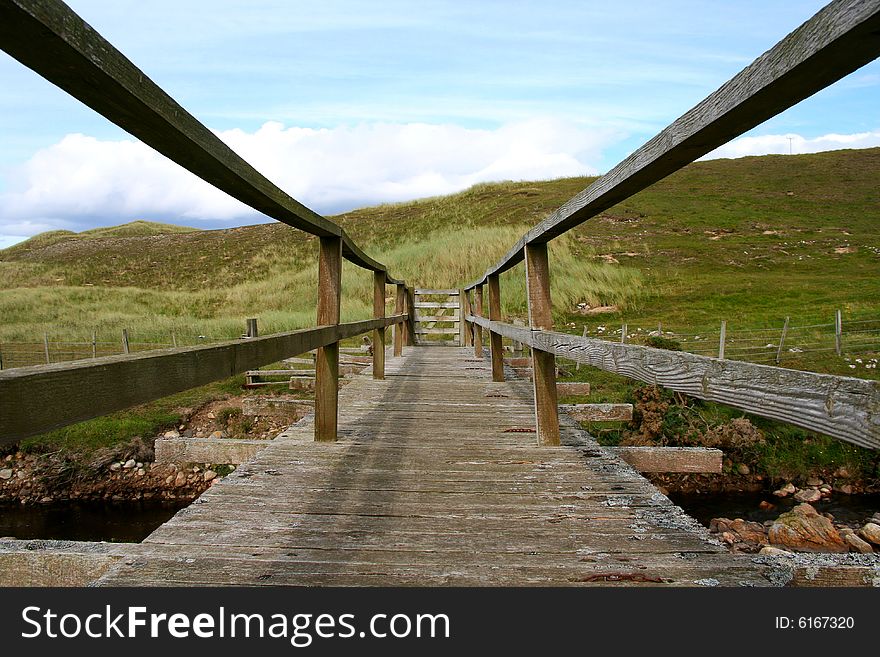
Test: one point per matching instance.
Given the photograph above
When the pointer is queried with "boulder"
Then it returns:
(804, 530)
(856, 544)
(871, 533)
(739, 531)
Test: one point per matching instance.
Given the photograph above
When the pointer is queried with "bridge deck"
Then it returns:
(428, 485)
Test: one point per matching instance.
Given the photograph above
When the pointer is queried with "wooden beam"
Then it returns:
(400, 328)
(543, 362)
(37, 399)
(598, 412)
(839, 406)
(73, 56)
(327, 357)
(839, 39)
(411, 321)
(467, 328)
(671, 459)
(495, 338)
(478, 331)
(572, 388)
(379, 333)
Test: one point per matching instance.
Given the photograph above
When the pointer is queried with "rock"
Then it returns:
(766, 506)
(775, 551)
(180, 479)
(129, 464)
(841, 472)
(808, 495)
(139, 464)
(814, 481)
(856, 544)
(141, 472)
(846, 489)
(8, 458)
(739, 531)
(211, 416)
(743, 469)
(209, 475)
(824, 488)
(171, 434)
(115, 467)
(804, 530)
(785, 491)
(875, 518)
(169, 479)
(218, 434)
(871, 533)
(6, 473)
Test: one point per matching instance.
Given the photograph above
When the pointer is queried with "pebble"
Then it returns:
(774, 551)
(808, 495)
(171, 434)
(766, 506)
(141, 472)
(218, 434)
(180, 479)
(8, 458)
(814, 481)
(856, 544)
(785, 491)
(846, 489)
(129, 464)
(209, 475)
(115, 467)
(871, 532)
(5, 473)
(743, 469)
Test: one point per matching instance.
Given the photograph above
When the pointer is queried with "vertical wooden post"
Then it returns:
(495, 338)
(623, 334)
(379, 333)
(723, 339)
(838, 333)
(1, 357)
(94, 344)
(411, 322)
(470, 311)
(543, 362)
(173, 339)
(465, 310)
(461, 315)
(251, 331)
(782, 340)
(46, 347)
(399, 328)
(478, 330)
(125, 347)
(578, 366)
(327, 358)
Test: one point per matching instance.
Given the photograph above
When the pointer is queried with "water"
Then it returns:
(848, 509)
(86, 521)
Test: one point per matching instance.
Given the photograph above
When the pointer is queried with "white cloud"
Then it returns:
(82, 181)
(779, 144)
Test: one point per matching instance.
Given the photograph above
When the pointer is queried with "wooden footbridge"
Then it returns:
(439, 466)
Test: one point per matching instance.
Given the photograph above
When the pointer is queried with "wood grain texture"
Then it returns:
(672, 459)
(495, 346)
(327, 356)
(378, 333)
(598, 412)
(839, 39)
(477, 308)
(543, 362)
(399, 328)
(73, 56)
(842, 407)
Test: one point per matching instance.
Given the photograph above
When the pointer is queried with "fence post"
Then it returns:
(782, 340)
(379, 333)
(327, 357)
(578, 365)
(722, 339)
(464, 308)
(173, 339)
(623, 334)
(495, 338)
(1, 357)
(411, 322)
(478, 330)
(46, 347)
(543, 362)
(125, 347)
(251, 331)
(399, 305)
(838, 333)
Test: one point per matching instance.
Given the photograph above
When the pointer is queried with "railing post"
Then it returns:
(478, 330)
(125, 348)
(400, 327)
(838, 333)
(782, 341)
(543, 362)
(379, 333)
(722, 339)
(495, 338)
(46, 347)
(462, 324)
(411, 322)
(469, 328)
(327, 357)
(252, 328)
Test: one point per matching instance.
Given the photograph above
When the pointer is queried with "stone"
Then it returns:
(846, 489)
(804, 530)
(141, 472)
(171, 434)
(739, 531)
(139, 464)
(766, 506)
(115, 467)
(875, 518)
(6, 473)
(775, 551)
(211, 416)
(814, 481)
(743, 469)
(180, 479)
(785, 491)
(218, 434)
(841, 472)
(856, 544)
(169, 479)
(808, 495)
(871, 533)
(209, 475)
(129, 464)
(8, 458)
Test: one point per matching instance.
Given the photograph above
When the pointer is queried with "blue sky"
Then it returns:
(345, 104)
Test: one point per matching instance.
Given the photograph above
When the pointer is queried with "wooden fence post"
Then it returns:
(838, 333)
(125, 347)
(543, 362)
(94, 344)
(379, 333)
(578, 366)
(399, 328)
(623, 334)
(462, 325)
(495, 338)
(782, 340)
(46, 347)
(251, 331)
(464, 308)
(722, 339)
(327, 358)
(478, 330)
(173, 339)
(411, 322)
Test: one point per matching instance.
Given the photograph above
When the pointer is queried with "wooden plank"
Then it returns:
(543, 362)
(463, 328)
(37, 399)
(839, 39)
(378, 333)
(436, 304)
(671, 459)
(425, 292)
(437, 331)
(327, 356)
(495, 346)
(598, 412)
(478, 330)
(73, 56)
(842, 407)
(454, 317)
(400, 328)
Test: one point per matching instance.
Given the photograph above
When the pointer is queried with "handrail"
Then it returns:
(842, 407)
(50, 38)
(840, 38)
(44, 397)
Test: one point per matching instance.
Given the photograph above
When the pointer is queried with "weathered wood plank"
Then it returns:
(839, 39)
(543, 362)
(399, 328)
(426, 292)
(598, 412)
(842, 407)
(327, 356)
(436, 304)
(671, 459)
(477, 308)
(497, 351)
(378, 333)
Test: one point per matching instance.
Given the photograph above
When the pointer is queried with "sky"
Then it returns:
(345, 104)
